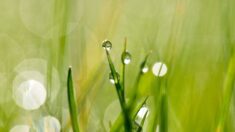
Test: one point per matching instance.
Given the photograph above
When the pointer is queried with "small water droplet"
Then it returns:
(107, 45)
(126, 58)
(112, 79)
(145, 69)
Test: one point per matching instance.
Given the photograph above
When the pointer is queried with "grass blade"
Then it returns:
(227, 95)
(72, 102)
(127, 120)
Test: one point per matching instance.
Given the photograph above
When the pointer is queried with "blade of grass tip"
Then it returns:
(118, 86)
(228, 88)
(123, 70)
(133, 113)
(136, 85)
(72, 102)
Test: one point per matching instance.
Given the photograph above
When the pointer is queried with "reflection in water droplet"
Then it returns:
(126, 57)
(49, 124)
(20, 128)
(145, 69)
(112, 79)
(142, 112)
(159, 69)
(107, 45)
(30, 94)
(140, 115)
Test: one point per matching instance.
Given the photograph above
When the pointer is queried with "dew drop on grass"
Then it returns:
(159, 69)
(107, 45)
(145, 69)
(30, 94)
(20, 128)
(112, 79)
(141, 114)
(126, 58)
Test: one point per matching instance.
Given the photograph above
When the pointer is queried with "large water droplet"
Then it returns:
(107, 45)
(159, 69)
(142, 112)
(126, 58)
(112, 79)
(140, 115)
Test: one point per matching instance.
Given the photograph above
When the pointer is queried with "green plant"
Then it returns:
(72, 102)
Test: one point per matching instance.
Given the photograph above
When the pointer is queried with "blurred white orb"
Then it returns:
(30, 94)
(49, 124)
(20, 128)
(159, 69)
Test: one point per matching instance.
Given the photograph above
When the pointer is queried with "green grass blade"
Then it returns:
(163, 114)
(227, 95)
(133, 113)
(123, 71)
(72, 102)
(136, 85)
(127, 120)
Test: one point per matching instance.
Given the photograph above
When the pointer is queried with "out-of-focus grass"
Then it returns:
(193, 38)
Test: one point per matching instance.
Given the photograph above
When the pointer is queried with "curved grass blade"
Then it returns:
(72, 102)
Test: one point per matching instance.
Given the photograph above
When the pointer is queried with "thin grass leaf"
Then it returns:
(227, 94)
(127, 120)
(123, 71)
(136, 85)
(72, 102)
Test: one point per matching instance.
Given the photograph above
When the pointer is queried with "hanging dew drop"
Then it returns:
(112, 79)
(126, 58)
(145, 69)
(107, 45)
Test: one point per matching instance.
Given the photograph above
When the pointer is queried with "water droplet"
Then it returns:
(107, 45)
(145, 69)
(140, 115)
(142, 112)
(126, 58)
(112, 79)
(159, 69)
(20, 128)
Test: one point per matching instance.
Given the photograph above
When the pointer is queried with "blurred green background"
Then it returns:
(194, 38)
